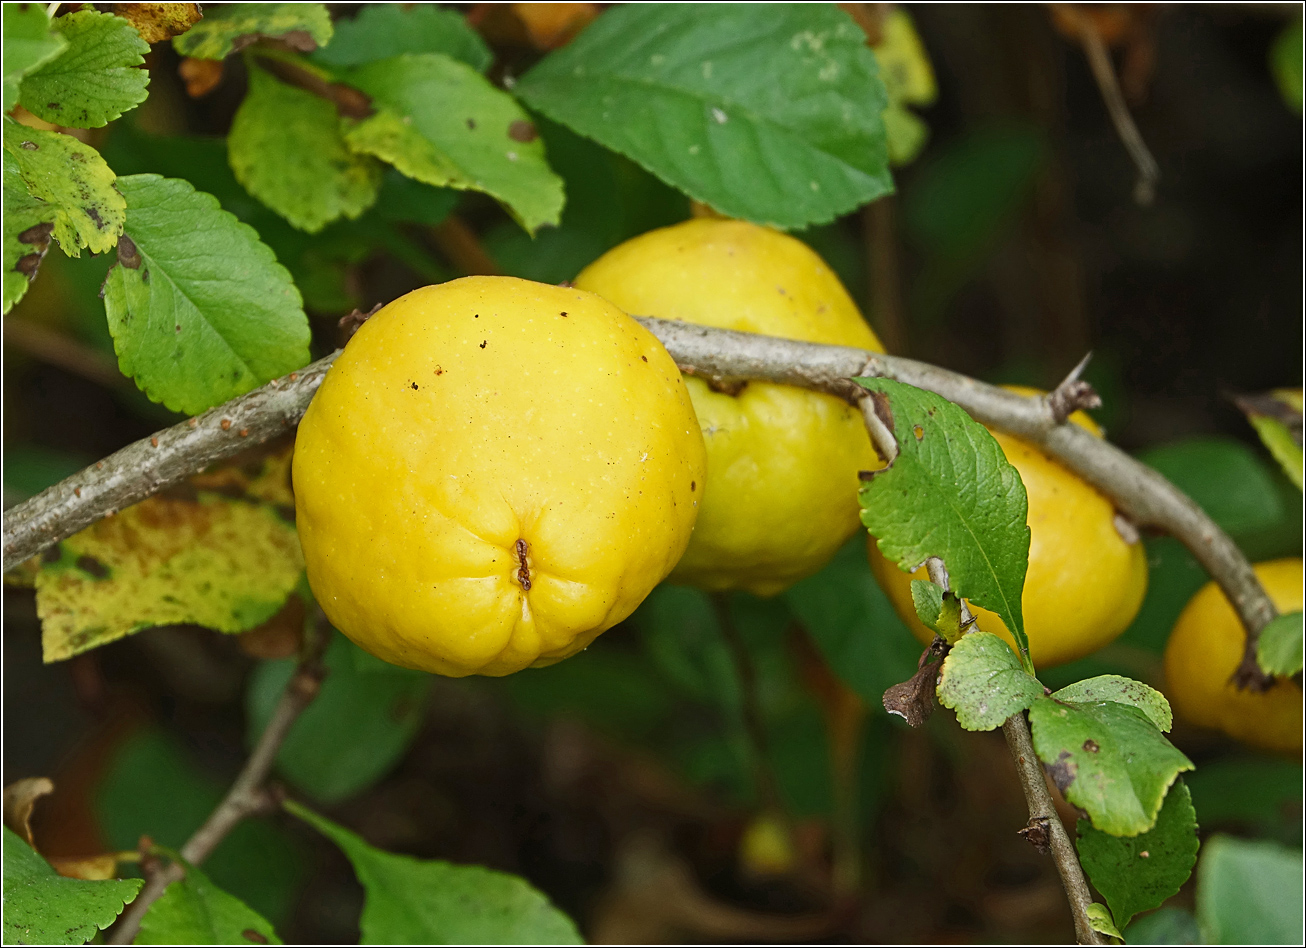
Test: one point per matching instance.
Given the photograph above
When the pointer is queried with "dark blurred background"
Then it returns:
(616, 782)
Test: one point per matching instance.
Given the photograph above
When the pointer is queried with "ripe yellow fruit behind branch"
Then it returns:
(493, 473)
(1085, 581)
(782, 462)
(1206, 647)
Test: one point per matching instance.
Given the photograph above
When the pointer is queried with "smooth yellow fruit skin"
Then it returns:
(782, 462)
(1085, 582)
(465, 417)
(1206, 647)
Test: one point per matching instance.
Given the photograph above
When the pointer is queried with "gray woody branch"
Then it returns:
(1140, 493)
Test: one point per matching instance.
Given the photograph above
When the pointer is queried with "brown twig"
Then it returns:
(1099, 60)
(54, 348)
(461, 247)
(1045, 827)
(1138, 491)
(248, 794)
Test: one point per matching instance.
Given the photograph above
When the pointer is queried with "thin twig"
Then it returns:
(768, 788)
(1099, 60)
(1043, 817)
(881, 239)
(248, 794)
(1138, 491)
(54, 348)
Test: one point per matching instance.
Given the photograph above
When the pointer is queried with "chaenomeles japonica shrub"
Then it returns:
(496, 469)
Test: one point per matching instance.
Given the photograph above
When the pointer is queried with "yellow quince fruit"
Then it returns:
(494, 472)
(782, 462)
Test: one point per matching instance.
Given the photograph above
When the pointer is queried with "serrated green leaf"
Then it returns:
(1100, 920)
(1249, 892)
(41, 907)
(207, 313)
(286, 149)
(1137, 873)
(223, 555)
(1286, 64)
(353, 733)
(230, 27)
(74, 180)
(427, 901)
(1123, 691)
(1279, 650)
(94, 79)
(442, 122)
(382, 30)
(769, 113)
(28, 224)
(1108, 759)
(982, 681)
(951, 493)
(28, 42)
(193, 911)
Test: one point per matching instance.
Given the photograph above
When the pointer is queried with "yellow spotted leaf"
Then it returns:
(219, 551)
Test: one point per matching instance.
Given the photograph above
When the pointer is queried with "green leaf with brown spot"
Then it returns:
(220, 552)
(194, 911)
(27, 227)
(983, 682)
(1107, 758)
(230, 27)
(74, 180)
(95, 78)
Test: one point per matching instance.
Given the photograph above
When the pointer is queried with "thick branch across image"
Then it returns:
(1141, 494)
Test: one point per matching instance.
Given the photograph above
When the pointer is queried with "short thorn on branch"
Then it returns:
(1073, 394)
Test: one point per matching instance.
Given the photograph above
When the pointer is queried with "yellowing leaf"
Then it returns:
(221, 551)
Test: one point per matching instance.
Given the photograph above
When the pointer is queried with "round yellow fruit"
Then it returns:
(1206, 647)
(782, 462)
(1085, 581)
(493, 472)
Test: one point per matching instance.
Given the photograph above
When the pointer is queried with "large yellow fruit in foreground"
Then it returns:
(782, 462)
(1085, 582)
(1206, 647)
(494, 472)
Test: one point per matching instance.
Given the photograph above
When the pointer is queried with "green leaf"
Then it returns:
(1137, 873)
(286, 149)
(1225, 478)
(382, 30)
(854, 625)
(982, 681)
(1285, 448)
(74, 180)
(427, 901)
(1166, 926)
(205, 313)
(41, 907)
(193, 911)
(28, 224)
(230, 27)
(1277, 418)
(153, 786)
(769, 113)
(1259, 793)
(1108, 759)
(908, 80)
(950, 493)
(28, 42)
(223, 554)
(1122, 691)
(442, 122)
(927, 598)
(94, 79)
(1286, 64)
(1279, 651)
(353, 733)
(1249, 892)
(1100, 920)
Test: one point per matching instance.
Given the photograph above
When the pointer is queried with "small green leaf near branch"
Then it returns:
(193, 911)
(1279, 651)
(983, 682)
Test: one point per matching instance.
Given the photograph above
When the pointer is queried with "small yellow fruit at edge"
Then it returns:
(494, 472)
(1085, 582)
(1206, 647)
(782, 462)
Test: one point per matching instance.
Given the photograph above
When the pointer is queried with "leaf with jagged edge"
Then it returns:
(194, 911)
(1279, 649)
(983, 682)
(230, 27)
(95, 78)
(28, 224)
(74, 180)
